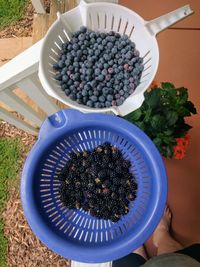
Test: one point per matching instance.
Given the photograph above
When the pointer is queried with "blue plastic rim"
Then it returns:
(74, 233)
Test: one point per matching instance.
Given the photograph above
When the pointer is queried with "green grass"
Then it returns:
(11, 11)
(9, 169)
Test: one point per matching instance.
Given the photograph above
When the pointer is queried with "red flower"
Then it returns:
(181, 147)
(154, 84)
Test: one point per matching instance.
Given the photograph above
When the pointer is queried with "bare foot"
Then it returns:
(142, 252)
(163, 227)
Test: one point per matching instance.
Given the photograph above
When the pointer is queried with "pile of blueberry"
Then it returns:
(98, 69)
(99, 182)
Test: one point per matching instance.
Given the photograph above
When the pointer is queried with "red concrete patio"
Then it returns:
(180, 64)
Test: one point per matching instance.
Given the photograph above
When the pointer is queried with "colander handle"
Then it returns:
(59, 121)
(132, 103)
(161, 23)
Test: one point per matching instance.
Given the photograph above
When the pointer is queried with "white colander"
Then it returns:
(105, 17)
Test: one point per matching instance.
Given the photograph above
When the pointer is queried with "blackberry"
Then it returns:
(113, 174)
(121, 190)
(111, 165)
(126, 164)
(102, 174)
(105, 214)
(116, 181)
(118, 168)
(91, 203)
(113, 218)
(106, 184)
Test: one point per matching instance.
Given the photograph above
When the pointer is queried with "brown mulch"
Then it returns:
(24, 249)
(23, 27)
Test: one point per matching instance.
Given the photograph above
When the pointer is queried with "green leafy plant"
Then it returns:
(162, 114)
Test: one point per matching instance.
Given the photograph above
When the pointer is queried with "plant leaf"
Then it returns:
(190, 106)
(167, 85)
(135, 115)
(153, 98)
(171, 117)
(182, 95)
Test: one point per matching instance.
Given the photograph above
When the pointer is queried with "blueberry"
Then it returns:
(126, 75)
(114, 50)
(97, 52)
(119, 102)
(92, 40)
(84, 92)
(111, 62)
(96, 93)
(67, 92)
(129, 55)
(104, 72)
(85, 99)
(140, 60)
(126, 95)
(136, 53)
(90, 93)
(89, 71)
(126, 82)
(99, 40)
(108, 84)
(56, 66)
(116, 70)
(114, 103)
(65, 78)
(93, 98)
(108, 104)
(79, 101)
(89, 103)
(105, 90)
(101, 77)
(131, 91)
(61, 64)
(79, 95)
(76, 77)
(97, 105)
(117, 96)
(83, 29)
(109, 97)
(102, 98)
(76, 64)
(120, 61)
(105, 65)
(58, 77)
(97, 71)
(108, 77)
(107, 57)
(141, 68)
(71, 67)
(72, 96)
(104, 42)
(110, 45)
(63, 87)
(70, 82)
(100, 47)
(92, 35)
(120, 76)
(121, 92)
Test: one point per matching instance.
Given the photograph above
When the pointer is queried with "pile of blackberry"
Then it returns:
(98, 69)
(98, 181)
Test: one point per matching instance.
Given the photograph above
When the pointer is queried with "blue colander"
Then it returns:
(75, 234)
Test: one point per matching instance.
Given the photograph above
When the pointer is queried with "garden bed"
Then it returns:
(23, 248)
